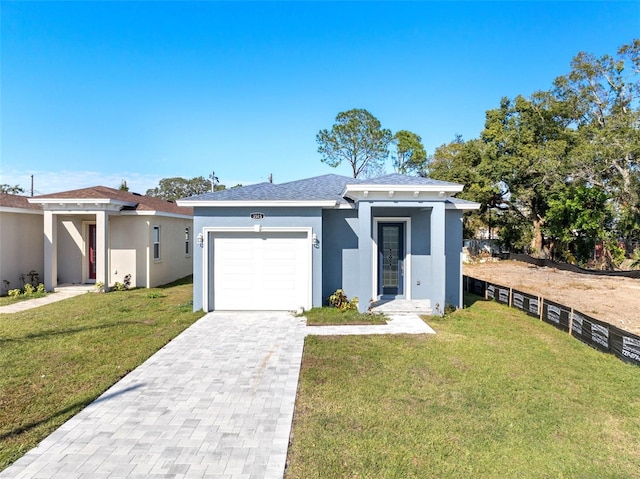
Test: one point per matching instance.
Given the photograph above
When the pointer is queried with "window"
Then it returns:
(187, 241)
(156, 243)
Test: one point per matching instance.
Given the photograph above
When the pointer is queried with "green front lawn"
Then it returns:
(333, 316)
(495, 394)
(56, 359)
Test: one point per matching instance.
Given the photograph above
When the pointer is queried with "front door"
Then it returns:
(92, 251)
(391, 259)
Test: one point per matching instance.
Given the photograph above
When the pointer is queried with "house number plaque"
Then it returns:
(257, 216)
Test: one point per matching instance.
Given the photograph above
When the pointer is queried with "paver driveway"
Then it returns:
(217, 401)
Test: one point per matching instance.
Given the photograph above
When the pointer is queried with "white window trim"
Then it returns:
(374, 247)
(209, 233)
(159, 243)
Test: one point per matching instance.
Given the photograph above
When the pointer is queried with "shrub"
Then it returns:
(29, 289)
(339, 300)
(14, 293)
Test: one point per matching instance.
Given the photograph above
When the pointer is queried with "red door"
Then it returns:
(92, 251)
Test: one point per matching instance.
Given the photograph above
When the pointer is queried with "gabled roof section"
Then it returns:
(122, 200)
(17, 202)
(323, 191)
(327, 191)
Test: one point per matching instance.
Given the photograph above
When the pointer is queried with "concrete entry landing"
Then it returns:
(416, 306)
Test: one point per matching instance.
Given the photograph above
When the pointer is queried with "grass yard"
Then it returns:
(495, 394)
(56, 359)
(333, 316)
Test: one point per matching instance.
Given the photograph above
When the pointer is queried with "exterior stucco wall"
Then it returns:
(173, 263)
(131, 250)
(205, 217)
(454, 227)
(129, 244)
(339, 252)
(21, 247)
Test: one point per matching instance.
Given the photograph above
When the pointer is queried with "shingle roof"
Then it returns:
(326, 187)
(320, 188)
(17, 201)
(141, 202)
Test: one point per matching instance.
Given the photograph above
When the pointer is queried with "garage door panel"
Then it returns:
(261, 271)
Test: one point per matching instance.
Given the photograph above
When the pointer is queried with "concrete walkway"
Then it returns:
(216, 402)
(34, 303)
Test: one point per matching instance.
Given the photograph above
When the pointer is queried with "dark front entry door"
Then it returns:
(391, 259)
(92, 251)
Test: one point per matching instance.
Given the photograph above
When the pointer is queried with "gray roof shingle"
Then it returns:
(320, 188)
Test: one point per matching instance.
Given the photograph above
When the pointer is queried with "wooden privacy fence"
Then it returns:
(600, 335)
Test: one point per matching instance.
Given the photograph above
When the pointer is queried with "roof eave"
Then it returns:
(257, 203)
(353, 191)
(463, 206)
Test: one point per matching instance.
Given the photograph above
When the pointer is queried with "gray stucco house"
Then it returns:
(289, 246)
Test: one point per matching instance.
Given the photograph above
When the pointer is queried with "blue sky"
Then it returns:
(98, 92)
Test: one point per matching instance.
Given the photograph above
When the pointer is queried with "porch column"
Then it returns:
(50, 251)
(365, 256)
(438, 256)
(102, 248)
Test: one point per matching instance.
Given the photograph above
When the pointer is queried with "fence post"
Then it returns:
(510, 297)
(541, 306)
(571, 323)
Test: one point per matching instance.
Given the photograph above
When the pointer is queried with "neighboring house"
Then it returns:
(100, 235)
(283, 247)
(20, 240)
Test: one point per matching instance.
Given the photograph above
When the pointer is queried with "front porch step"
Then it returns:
(417, 306)
(62, 288)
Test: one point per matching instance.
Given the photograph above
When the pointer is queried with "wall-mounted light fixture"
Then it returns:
(315, 241)
(200, 239)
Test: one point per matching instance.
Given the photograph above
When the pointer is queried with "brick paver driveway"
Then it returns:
(217, 401)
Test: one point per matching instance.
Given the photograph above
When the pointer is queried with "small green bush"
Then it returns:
(14, 293)
(29, 289)
(339, 300)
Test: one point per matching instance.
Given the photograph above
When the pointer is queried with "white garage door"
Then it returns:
(261, 271)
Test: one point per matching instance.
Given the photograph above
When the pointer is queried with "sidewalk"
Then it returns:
(34, 303)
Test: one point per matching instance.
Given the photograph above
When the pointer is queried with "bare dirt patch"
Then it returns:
(614, 300)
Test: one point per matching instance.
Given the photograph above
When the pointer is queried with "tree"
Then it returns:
(358, 138)
(602, 97)
(462, 162)
(123, 186)
(175, 188)
(11, 190)
(410, 155)
(528, 144)
(578, 217)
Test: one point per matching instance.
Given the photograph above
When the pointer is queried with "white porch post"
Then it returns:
(102, 248)
(365, 256)
(50, 251)
(438, 256)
